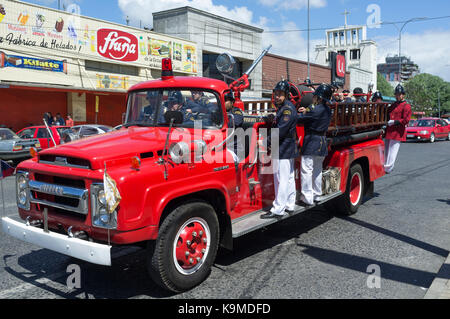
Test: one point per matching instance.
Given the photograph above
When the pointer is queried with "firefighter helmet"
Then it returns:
(324, 91)
(282, 86)
(377, 95)
(229, 96)
(399, 89)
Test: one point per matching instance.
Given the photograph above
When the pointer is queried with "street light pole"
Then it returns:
(400, 46)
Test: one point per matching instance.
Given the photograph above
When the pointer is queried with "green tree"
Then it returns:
(424, 92)
(383, 86)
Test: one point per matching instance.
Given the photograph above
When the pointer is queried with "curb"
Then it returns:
(440, 288)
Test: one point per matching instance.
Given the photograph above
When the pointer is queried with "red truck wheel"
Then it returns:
(182, 256)
(349, 202)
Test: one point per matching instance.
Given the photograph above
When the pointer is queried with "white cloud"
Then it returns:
(141, 10)
(293, 4)
(428, 49)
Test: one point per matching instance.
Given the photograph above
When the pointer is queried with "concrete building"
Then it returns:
(390, 69)
(53, 61)
(214, 35)
(360, 54)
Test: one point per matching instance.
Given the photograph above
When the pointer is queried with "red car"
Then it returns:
(41, 133)
(428, 129)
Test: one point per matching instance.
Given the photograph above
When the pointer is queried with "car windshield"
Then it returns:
(199, 107)
(7, 134)
(425, 123)
(412, 123)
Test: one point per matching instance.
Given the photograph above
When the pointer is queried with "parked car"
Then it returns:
(428, 129)
(84, 130)
(41, 133)
(14, 148)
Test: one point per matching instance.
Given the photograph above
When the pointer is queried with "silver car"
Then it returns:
(15, 148)
(85, 130)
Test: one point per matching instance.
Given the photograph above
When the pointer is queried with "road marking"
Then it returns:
(19, 290)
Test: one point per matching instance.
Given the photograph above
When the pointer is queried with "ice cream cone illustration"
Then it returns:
(2, 12)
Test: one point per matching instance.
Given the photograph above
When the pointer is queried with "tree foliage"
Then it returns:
(423, 91)
(383, 86)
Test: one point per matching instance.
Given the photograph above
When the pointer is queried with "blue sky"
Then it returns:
(426, 42)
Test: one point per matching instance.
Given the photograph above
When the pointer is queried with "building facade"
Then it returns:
(53, 61)
(275, 68)
(390, 70)
(360, 54)
(214, 35)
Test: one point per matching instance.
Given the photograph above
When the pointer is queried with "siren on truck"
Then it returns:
(167, 71)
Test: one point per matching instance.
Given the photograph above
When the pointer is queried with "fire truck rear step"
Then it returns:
(253, 221)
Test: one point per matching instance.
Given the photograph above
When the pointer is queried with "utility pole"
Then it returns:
(308, 79)
(439, 102)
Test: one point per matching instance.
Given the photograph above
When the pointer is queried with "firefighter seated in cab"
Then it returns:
(316, 120)
(149, 111)
(283, 158)
(175, 102)
(235, 116)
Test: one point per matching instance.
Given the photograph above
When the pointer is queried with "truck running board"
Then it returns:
(248, 223)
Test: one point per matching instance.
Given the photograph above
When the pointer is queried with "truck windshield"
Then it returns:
(199, 107)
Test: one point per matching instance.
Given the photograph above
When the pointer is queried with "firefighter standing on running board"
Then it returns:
(399, 114)
(283, 159)
(316, 120)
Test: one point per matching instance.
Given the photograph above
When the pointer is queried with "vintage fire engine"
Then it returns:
(181, 191)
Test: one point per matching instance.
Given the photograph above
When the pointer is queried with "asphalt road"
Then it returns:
(403, 231)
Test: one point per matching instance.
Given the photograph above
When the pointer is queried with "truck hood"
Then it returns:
(114, 146)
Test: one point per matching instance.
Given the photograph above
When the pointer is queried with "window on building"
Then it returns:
(355, 54)
(343, 52)
(391, 77)
(96, 66)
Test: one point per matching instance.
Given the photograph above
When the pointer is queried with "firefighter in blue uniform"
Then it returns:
(316, 120)
(149, 111)
(283, 158)
(236, 143)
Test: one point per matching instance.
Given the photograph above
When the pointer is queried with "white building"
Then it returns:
(214, 35)
(360, 54)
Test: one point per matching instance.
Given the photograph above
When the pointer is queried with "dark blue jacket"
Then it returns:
(316, 123)
(286, 123)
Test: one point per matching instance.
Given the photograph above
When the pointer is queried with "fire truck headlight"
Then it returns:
(22, 192)
(100, 216)
(423, 132)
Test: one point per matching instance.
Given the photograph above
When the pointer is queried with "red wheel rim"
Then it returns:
(191, 245)
(355, 189)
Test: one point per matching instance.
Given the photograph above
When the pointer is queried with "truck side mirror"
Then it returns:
(177, 117)
(225, 64)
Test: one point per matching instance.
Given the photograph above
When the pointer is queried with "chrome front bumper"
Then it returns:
(82, 249)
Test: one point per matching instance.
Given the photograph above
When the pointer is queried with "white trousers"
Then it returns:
(311, 175)
(284, 183)
(391, 148)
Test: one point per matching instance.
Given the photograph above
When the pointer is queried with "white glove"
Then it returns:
(391, 122)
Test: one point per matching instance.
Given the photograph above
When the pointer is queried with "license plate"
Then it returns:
(410, 136)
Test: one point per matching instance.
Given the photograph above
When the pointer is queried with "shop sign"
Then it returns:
(32, 63)
(117, 45)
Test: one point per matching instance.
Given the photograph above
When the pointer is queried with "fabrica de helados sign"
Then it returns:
(117, 45)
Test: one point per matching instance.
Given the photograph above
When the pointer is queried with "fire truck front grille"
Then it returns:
(59, 196)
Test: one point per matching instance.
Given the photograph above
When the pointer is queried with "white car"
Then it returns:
(85, 130)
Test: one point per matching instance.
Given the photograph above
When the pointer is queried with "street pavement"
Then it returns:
(401, 233)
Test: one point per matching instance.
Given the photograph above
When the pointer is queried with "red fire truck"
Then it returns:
(176, 186)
